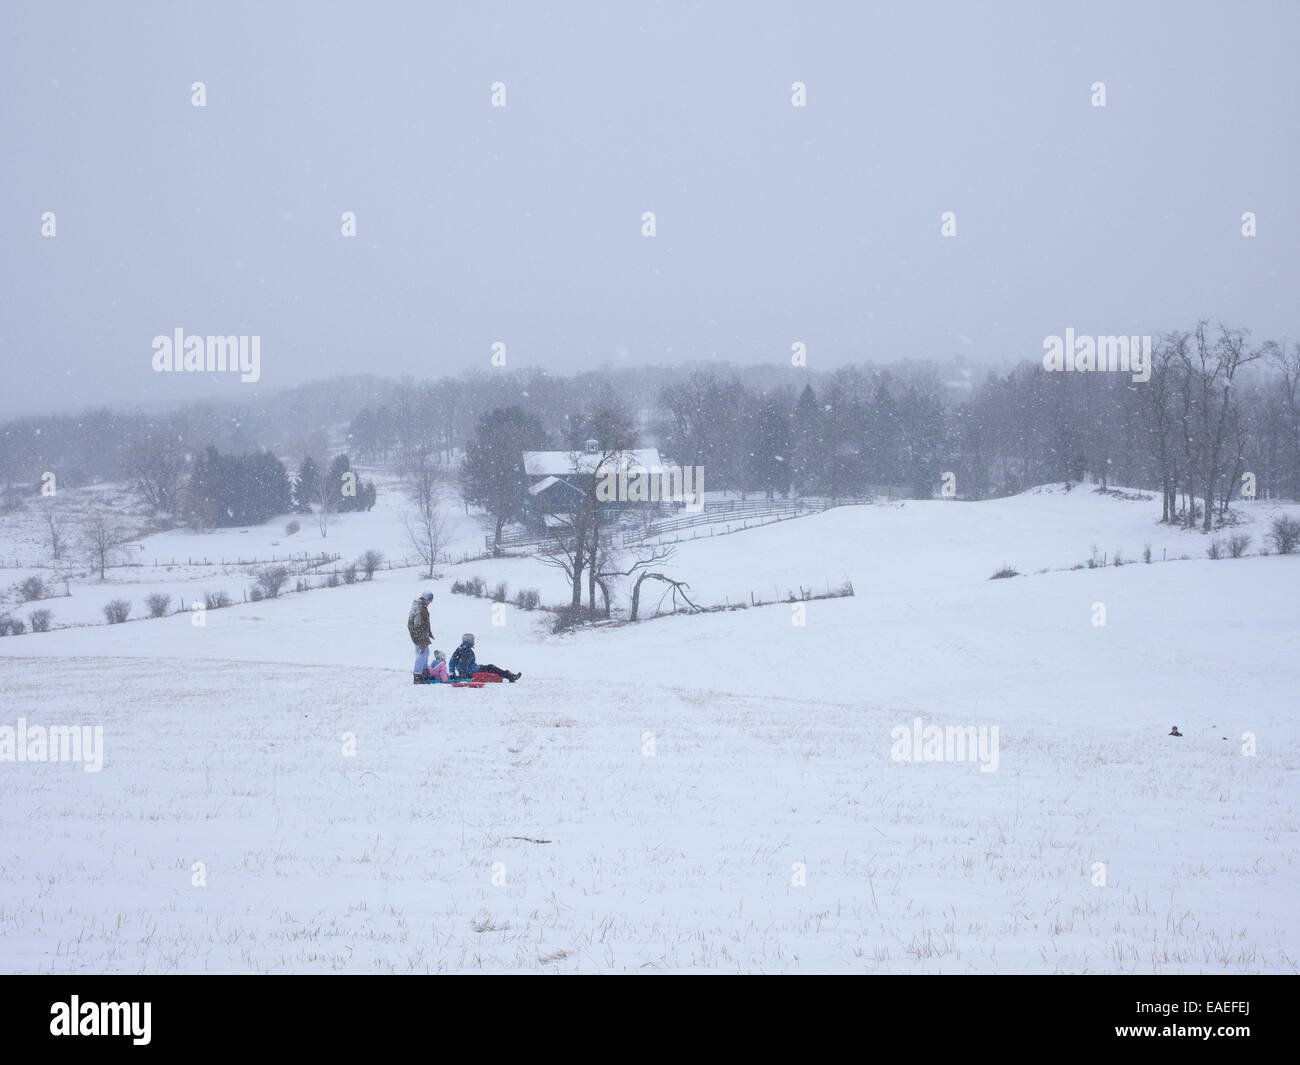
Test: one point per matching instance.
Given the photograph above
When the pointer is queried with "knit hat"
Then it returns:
(438, 656)
(468, 638)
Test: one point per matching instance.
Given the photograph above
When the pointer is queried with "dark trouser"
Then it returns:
(489, 668)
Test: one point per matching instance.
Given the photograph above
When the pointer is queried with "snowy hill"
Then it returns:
(709, 792)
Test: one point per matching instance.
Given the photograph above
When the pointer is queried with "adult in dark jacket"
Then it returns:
(418, 625)
(463, 666)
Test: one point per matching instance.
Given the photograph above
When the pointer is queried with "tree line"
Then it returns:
(1216, 408)
(229, 490)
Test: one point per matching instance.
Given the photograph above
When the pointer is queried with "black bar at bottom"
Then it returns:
(1238, 1015)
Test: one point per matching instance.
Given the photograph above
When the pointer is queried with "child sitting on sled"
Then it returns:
(437, 670)
(463, 665)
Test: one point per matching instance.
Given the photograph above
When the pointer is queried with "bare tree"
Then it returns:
(369, 562)
(1166, 364)
(1210, 366)
(56, 529)
(1287, 361)
(324, 500)
(101, 536)
(566, 547)
(1235, 464)
(578, 534)
(426, 529)
(270, 579)
(157, 466)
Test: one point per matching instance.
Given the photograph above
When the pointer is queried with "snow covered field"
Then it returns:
(715, 792)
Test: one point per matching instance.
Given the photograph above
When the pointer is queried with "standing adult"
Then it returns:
(421, 631)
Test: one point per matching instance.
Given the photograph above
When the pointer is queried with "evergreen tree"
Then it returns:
(335, 481)
(493, 472)
(366, 495)
(306, 485)
(807, 461)
(881, 435)
(238, 490)
(770, 451)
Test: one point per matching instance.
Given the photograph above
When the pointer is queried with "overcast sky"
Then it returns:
(522, 224)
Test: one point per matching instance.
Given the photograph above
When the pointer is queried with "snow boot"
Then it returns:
(419, 678)
(512, 677)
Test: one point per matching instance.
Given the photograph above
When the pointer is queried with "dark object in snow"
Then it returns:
(1174, 731)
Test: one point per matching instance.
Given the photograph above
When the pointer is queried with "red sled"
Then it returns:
(477, 681)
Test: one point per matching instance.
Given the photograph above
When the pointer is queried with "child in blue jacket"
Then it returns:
(463, 666)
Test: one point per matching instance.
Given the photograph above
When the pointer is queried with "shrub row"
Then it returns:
(525, 598)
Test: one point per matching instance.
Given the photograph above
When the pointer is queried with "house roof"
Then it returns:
(561, 463)
(550, 486)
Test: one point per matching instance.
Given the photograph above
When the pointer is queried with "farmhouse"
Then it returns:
(558, 481)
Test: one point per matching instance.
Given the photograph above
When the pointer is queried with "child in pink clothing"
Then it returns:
(437, 670)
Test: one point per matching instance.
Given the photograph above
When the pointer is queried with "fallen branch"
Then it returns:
(677, 587)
